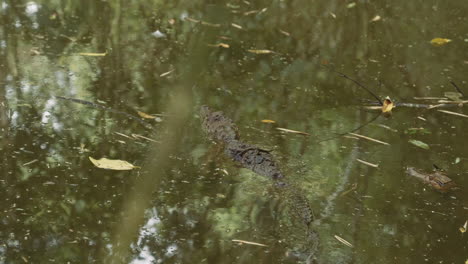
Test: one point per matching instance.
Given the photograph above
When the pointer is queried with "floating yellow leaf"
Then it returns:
(464, 227)
(255, 51)
(440, 41)
(292, 131)
(268, 121)
(387, 105)
(145, 115)
(91, 54)
(112, 164)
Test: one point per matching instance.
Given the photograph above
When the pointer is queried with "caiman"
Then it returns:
(223, 130)
(437, 179)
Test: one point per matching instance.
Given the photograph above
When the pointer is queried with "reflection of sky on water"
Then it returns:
(148, 230)
(32, 8)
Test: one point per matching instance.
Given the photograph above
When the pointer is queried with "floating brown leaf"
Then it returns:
(112, 164)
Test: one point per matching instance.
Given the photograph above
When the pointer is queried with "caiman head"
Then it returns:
(437, 179)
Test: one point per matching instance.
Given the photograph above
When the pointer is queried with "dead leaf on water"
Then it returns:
(112, 164)
(293, 131)
(92, 54)
(464, 227)
(387, 105)
(268, 121)
(343, 241)
(419, 143)
(440, 41)
(264, 51)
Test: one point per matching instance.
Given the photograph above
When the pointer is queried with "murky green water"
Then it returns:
(188, 202)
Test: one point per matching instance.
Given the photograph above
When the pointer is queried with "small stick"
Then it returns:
(457, 88)
(343, 241)
(358, 84)
(370, 139)
(30, 162)
(248, 242)
(368, 163)
(452, 113)
(429, 98)
(349, 132)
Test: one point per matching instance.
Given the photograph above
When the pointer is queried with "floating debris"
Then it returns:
(440, 41)
(293, 131)
(166, 73)
(419, 143)
(368, 163)
(376, 18)
(112, 164)
(387, 105)
(453, 113)
(201, 22)
(91, 54)
(249, 242)
(346, 243)
(464, 227)
(145, 115)
(370, 139)
(158, 34)
(30, 162)
(264, 51)
(268, 121)
(236, 26)
(219, 45)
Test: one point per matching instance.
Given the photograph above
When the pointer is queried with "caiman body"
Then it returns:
(437, 179)
(223, 130)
